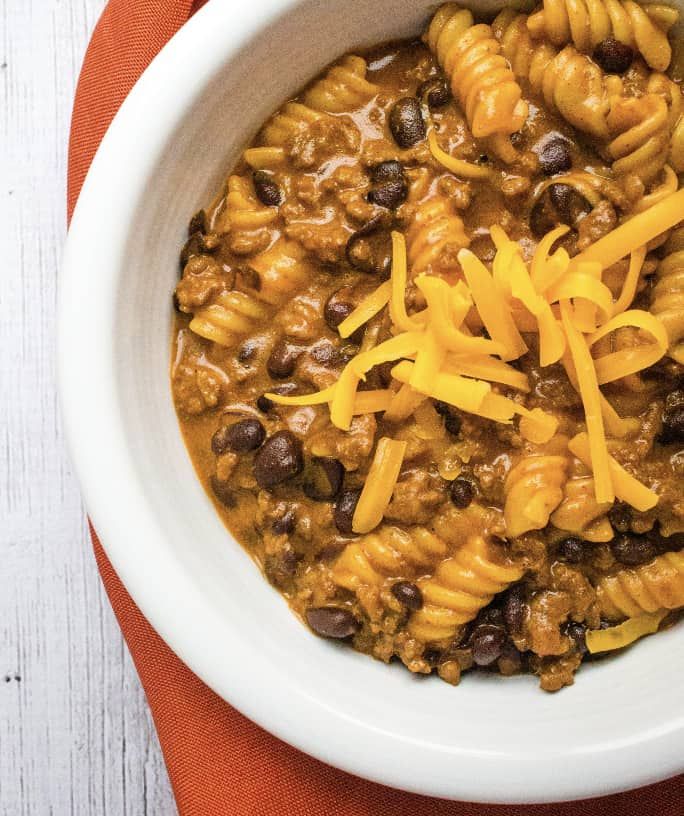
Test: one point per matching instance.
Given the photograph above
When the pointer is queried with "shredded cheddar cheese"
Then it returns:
(379, 485)
(368, 308)
(459, 167)
(589, 391)
(627, 488)
(636, 232)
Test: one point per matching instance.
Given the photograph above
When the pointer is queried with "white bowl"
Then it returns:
(491, 740)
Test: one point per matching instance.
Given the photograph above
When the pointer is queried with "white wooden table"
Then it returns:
(76, 736)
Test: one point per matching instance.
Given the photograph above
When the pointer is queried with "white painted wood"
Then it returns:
(76, 737)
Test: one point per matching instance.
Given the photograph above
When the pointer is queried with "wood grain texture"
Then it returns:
(76, 736)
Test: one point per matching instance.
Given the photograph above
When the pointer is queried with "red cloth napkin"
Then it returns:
(220, 763)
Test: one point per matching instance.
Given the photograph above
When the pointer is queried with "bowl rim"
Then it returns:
(163, 94)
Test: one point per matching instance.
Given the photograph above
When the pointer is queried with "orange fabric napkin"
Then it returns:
(220, 763)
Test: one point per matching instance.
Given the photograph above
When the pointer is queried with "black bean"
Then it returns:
(442, 408)
(279, 459)
(264, 404)
(571, 549)
(332, 621)
(620, 516)
(487, 644)
(246, 351)
(665, 544)
(323, 478)
(223, 492)
(282, 359)
(370, 249)
(462, 492)
(632, 550)
(514, 609)
(558, 204)
(344, 510)
(243, 436)
(570, 205)
(613, 56)
(555, 157)
(267, 191)
(390, 194)
(335, 311)
(390, 170)
(673, 425)
(577, 632)
(453, 423)
(406, 122)
(408, 595)
(435, 92)
(198, 223)
(285, 524)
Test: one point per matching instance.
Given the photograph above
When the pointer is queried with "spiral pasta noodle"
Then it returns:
(282, 270)
(386, 552)
(435, 235)
(343, 88)
(586, 23)
(461, 586)
(649, 588)
(569, 82)
(244, 217)
(481, 78)
(642, 125)
(672, 94)
(534, 488)
(231, 316)
(667, 299)
(579, 512)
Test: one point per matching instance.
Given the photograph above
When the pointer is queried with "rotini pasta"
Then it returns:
(672, 94)
(244, 216)
(435, 235)
(642, 125)
(534, 488)
(282, 270)
(580, 513)
(343, 88)
(386, 552)
(667, 300)
(649, 588)
(586, 23)
(568, 81)
(231, 316)
(462, 584)
(481, 78)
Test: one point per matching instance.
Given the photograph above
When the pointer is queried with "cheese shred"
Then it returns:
(379, 485)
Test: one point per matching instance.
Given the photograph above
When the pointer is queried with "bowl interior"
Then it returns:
(490, 739)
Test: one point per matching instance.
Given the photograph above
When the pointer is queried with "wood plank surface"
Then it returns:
(76, 736)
